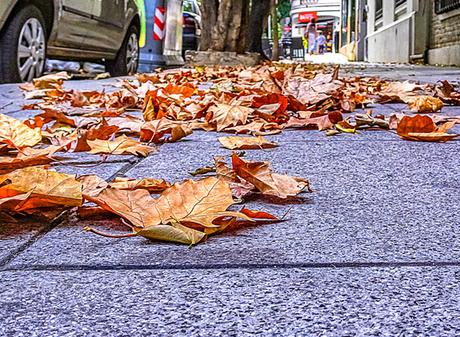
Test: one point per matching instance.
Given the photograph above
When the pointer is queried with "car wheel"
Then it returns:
(23, 44)
(127, 58)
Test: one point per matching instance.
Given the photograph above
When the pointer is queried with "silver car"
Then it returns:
(86, 30)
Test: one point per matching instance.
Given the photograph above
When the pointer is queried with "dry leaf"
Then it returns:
(246, 143)
(16, 134)
(149, 184)
(425, 104)
(121, 145)
(225, 115)
(422, 128)
(46, 188)
(261, 176)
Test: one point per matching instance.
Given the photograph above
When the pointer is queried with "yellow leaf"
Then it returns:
(47, 188)
(121, 145)
(16, 134)
(246, 143)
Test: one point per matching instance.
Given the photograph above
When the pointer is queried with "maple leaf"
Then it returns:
(92, 185)
(16, 134)
(400, 92)
(246, 143)
(149, 184)
(261, 176)
(155, 131)
(103, 131)
(422, 128)
(120, 145)
(195, 203)
(28, 157)
(425, 104)
(225, 115)
(313, 91)
(324, 122)
(46, 188)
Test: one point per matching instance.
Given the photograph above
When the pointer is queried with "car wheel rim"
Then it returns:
(31, 50)
(132, 54)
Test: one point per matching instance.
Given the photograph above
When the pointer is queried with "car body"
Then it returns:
(191, 29)
(86, 30)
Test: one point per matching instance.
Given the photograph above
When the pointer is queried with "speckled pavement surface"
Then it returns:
(374, 251)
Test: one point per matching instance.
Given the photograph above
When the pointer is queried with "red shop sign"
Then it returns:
(307, 16)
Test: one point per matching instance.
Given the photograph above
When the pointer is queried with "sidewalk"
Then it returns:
(374, 251)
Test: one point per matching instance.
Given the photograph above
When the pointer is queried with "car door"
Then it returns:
(107, 26)
(74, 23)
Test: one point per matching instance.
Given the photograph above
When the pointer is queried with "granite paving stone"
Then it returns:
(417, 301)
(387, 201)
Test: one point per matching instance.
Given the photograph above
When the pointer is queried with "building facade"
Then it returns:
(326, 13)
(413, 30)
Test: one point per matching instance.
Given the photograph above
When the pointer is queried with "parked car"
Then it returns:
(83, 30)
(191, 31)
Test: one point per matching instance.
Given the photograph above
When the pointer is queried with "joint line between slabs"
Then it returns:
(325, 265)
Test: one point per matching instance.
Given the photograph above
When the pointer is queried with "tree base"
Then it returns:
(225, 58)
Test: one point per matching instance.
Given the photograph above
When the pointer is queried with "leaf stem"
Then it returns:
(108, 235)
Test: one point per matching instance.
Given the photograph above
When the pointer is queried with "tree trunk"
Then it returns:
(274, 15)
(208, 20)
(259, 11)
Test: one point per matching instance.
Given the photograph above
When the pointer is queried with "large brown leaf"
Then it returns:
(191, 203)
(120, 145)
(16, 134)
(267, 182)
(28, 157)
(422, 128)
(246, 143)
(225, 115)
(46, 188)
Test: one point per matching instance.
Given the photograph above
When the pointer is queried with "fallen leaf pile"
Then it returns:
(140, 114)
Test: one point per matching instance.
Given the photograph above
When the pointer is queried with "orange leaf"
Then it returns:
(16, 134)
(422, 128)
(46, 188)
(261, 176)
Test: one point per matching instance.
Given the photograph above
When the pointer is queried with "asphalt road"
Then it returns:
(375, 250)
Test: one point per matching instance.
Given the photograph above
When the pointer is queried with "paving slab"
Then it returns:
(14, 235)
(105, 170)
(418, 301)
(385, 201)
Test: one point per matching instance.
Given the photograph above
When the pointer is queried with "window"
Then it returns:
(399, 3)
(378, 9)
(443, 6)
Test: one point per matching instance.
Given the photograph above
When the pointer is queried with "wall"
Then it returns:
(445, 38)
(390, 43)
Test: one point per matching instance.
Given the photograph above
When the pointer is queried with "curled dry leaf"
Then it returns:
(120, 145)
(28, 157)
(225, 115)
(156, 130)
(323, 122)
(246, 143)
(422, 128)
(45, 188)
(149, 184)
(16, 134)
(261, 176)
(425, 104)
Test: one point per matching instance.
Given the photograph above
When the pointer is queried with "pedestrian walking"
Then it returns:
(311, 35)
(321, 42)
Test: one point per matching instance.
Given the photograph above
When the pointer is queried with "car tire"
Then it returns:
(127, 59)
(27, 18)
